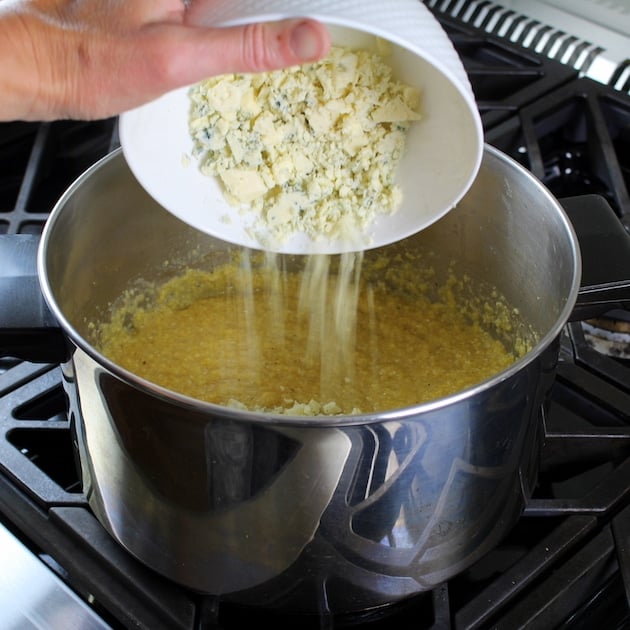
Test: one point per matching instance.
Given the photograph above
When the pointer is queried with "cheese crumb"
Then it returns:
(310, 149)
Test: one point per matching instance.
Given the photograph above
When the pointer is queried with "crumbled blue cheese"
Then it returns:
(309, 149)
(293, 408)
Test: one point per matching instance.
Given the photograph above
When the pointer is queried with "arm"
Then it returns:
(87, 59)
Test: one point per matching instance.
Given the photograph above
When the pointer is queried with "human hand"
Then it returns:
(89, 59)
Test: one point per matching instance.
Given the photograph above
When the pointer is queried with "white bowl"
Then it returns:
(443, 151)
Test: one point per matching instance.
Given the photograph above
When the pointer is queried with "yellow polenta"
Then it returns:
(266, 340)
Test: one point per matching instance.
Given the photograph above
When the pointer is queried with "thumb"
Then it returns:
(255, 47)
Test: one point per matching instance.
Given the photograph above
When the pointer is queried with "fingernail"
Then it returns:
(305, 41)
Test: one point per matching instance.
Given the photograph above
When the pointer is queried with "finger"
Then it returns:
(160, 58)
(195, 53)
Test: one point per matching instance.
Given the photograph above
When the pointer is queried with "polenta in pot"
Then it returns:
(317, 335)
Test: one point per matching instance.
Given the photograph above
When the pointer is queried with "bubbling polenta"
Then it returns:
(331, 338)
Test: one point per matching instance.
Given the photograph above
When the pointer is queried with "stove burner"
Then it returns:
(567, 170)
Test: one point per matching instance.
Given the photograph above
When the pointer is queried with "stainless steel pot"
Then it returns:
(287, 512)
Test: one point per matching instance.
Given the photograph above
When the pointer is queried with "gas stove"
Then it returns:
(591, 36)
(566, 563)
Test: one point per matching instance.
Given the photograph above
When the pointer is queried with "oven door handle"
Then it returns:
(28, 330)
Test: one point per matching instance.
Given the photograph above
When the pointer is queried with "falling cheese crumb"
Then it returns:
(310, 149)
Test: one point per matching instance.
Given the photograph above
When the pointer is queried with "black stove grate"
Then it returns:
(566, 564)
(503, 77)
(39, 161)
(576, 140)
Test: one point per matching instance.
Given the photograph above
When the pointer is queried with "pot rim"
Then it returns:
(322, 420)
